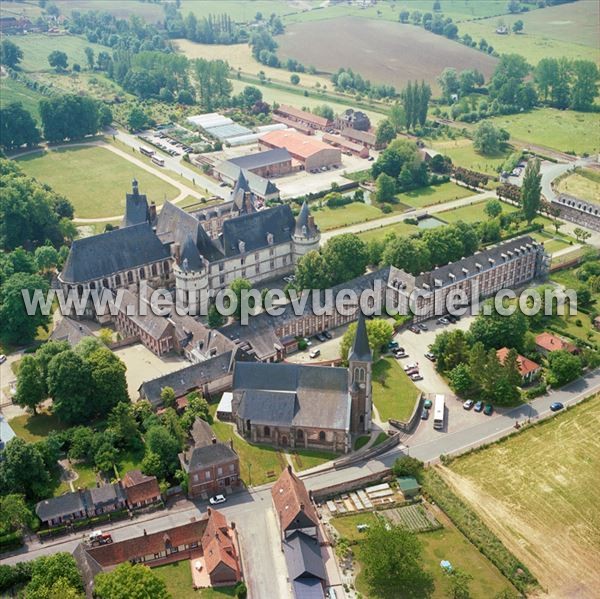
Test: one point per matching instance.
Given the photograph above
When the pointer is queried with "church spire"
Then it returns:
(360, 350)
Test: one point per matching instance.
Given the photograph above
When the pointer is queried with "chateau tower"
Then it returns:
(306, 235)
(360, 362)
(191, 273)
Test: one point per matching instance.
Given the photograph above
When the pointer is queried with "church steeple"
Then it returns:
(360, 350)
(360, 362)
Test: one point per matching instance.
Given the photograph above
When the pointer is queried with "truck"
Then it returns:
(99, 538)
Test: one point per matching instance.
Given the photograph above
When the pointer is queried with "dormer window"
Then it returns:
(270, 238)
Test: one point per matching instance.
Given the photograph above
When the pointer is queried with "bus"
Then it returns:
(158, 160)
(439, 408)
(146, 151)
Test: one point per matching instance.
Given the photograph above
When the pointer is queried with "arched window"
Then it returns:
(130, 277)
(93, 285)
(154, 273)
(359, 375)
(321, 435)
(166, 267)
(267, 431)
(117, 280)
(105, 283)
(142, 273)
(300, 434)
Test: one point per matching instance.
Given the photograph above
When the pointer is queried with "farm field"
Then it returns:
(464, 154)
(84, 174)
(564, 130)
(583, 184)
(412, 52)
(535, 491)
(568, 30)
(15, 91)
(122, 9)
(394, 394)
(434, 194)
(343, 216)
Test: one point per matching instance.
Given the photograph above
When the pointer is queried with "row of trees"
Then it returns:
(436, 23)
(347, 79)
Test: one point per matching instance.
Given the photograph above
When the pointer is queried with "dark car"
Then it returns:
(489, 409)
(556, 406)
(427, 404)
(393, 345)
(478, 406)
(451, 318)
(327, 335)
(320, 337)
(424, 414)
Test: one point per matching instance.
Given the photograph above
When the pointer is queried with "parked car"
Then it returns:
(320, 337)
(416, 377)
(400, 355)
(423, 326)
(556, 406)
(430, 356)
(424, 414)
(307, 341)
(393, 345)
(443, 320)
(452, 319)
(217, 499)
(468, 404)
(414, 329)
(489, 409)
(427, 404)
(2, 358)
(398, 350)
(327, 335)
(315, 353)
(412, 371)
(409, 366)
(478, 406)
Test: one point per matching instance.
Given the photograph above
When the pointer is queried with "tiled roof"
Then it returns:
(140, 488)
(293, 506)
(525, 365)
(285, 109)
(296, 143)
(551, 342)
(217, 543)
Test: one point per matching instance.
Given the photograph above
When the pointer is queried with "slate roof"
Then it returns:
(262, 159)
(252, 229)
(308, 588)
(268, 407)
(153, 324)
(190, 256)
(187, 379)
(102, 255)
(63, 505)
(303, 220)
(107, 495)
(201, 433)
(303, 556)
(136, 208)
(258, 185)
(360, 350)
(292, 502)
(70, 330)
(211, 455)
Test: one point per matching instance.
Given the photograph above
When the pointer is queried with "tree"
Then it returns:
(89, 55)
(82, 447)
(17, 325)
(513, 6)
(45, 353)
(517, 26)
(58, 60)
(137, 119)
(167, 396)
(392, 558)
(294, 78)
(585, 84)
(31, 390)
(531, 190)
(403, 16)
(69, 385)
(581, 234)
(170, 421)
(493, 208)
(106, 336)
(345, 258)
(53, 572)
(385, 133)
(449, 83)
(23, 471)
(109, 385)
(17, 127)
(122, 423)
(496, 331)
(386, 188)
(14, 513)
(408, 466)
(488, 139)
(564, 368)
(311, 272)
(237, 286)
(459, 583)
(410, 255)
(87, 346)
(251, 95)
(69, 117)
(197, 408)
(129, 581)
(460, 379)
(379, 332)
(397, 116)
(10, 54)
(46, 258)
(325, 111)
(159, 441)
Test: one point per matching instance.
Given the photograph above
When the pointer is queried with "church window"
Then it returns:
(267, 431)
(321, 435)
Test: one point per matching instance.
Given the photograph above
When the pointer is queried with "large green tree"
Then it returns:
(161, 443)
(17, 127)
(58, 60)
(58, 569)
(345, 257)
(31, 389)
(23, 470)
(129, 581)
(585, 84)
(531, 191)
(109, 385)
(385, 188)
(69, 117)
(14, 513)
(392, 558)
(564, 367)
(379, 332)
(10, 54)
(410, 255)
(489, 140)
(496, 331)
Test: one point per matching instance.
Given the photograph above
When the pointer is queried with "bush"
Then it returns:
(386, 209)
(240, 590)
(13, 575)
(536, 391)
(411, 221)
(11, 540)
(407, 466)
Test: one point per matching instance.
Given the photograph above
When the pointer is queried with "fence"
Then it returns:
(411, 423)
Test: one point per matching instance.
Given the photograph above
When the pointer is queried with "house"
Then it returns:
(220, 553)
(293, 506)
(106, 498)
(140, 490)
(409, 486)
(365, 138)
(346, 146)
(528, 369)
(70, 330)
(295, 115)
(306, 569)
(353, 119)
(212, 466)
(310, 153)
(549, 342)
(65, 508)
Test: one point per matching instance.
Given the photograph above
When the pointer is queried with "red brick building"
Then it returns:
(140, 490)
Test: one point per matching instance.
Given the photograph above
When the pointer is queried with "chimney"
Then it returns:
(145, 533)
(176, 252)
(209, 511)
(152, 211)
(302, 506)
(232, 525)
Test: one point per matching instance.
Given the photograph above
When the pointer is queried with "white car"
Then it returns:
(2, 358)
(217, 499)
(411, 366)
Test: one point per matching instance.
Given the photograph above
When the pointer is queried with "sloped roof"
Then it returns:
(63, 505)
(258, 185)
(293, 506)
(191, 255)
(70, 330)
(140, 487)
(524, 364)
(303, 556)
(295, 143)
(106, 495)
(268, 407)
(102, 255)
(136, 208)
(210, 455)
(360, 349)
(303, 115)
(308, 588)
(262, 159)
(217, 544)
(551, 342)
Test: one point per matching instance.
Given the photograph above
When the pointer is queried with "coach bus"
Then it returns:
(158, 160)
(146, 151)
(439, 408)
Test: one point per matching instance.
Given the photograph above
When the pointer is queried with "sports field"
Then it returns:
(538, 492)
(583, 184)
(411, 52)
(94, 179)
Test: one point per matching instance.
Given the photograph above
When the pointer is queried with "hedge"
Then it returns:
(471, 525)
(11, 540)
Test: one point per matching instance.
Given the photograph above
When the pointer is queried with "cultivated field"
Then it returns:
(411, 52)
(537, 491)
(584, 184)
(94, 179)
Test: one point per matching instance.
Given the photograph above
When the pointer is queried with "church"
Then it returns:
(303, 406)
(195, 251)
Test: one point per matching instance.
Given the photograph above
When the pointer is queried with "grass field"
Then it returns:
(400, 229)
(472, 213)
(424, 54)
(464, 154)
(85, 174)
(434, 194)
(563, 130)
(178, 578)
(536, 491)
(552, 243)
(15, 91)
(303, 459)
(394, 394)
(568, 31)
(343, 216)
(583, 184)
(35, 428)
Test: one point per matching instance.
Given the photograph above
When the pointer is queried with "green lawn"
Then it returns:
(394, 394)
(434, 194)
(85, 480)
(464, 154)
(471, 213)
(35, 428)
(563, 130)
(178, 578)
(130, 460)
(401, 229)
(15, 91)
(361, 442)
(343, 216)
(304, 459)
(552, 243)
(583, 184)
(94, 179)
